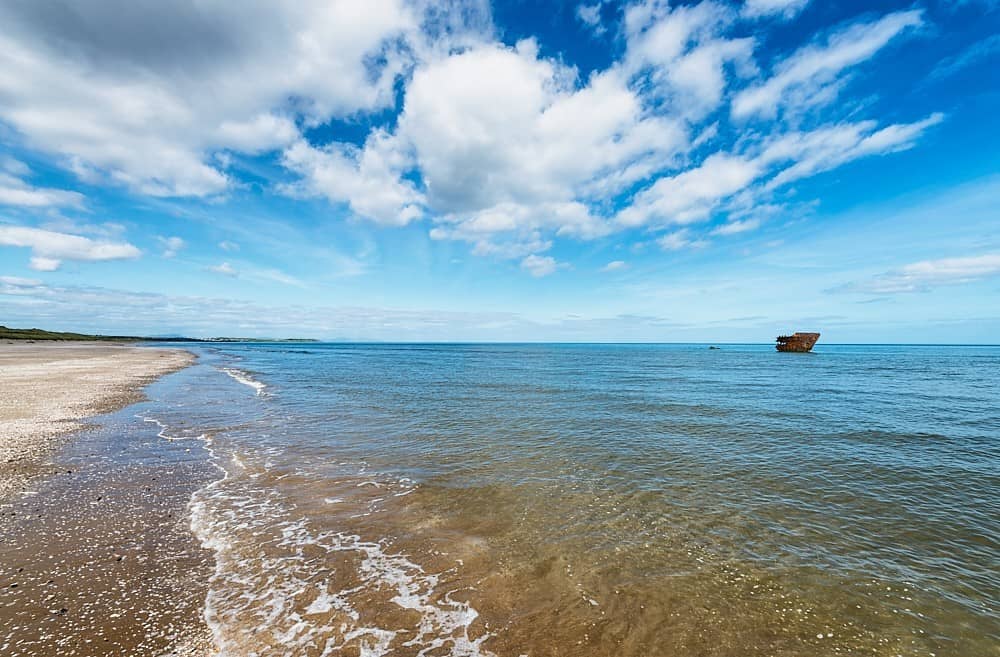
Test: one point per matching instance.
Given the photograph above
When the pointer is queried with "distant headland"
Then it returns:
(40, 334)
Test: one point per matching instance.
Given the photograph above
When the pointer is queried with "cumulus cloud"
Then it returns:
(49, 248)
(506, 144)
(260, 133)
(810, 74)
(141, 92)
(366, 179)
(500, 125)
(495, 145)
(928, 274)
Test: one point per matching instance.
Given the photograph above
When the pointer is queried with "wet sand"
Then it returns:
(96, 555)
(47, 390)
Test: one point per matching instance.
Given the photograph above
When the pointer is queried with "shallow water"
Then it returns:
(597, 499)
(97, 558)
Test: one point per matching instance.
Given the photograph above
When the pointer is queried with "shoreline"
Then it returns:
(97, 556)
(50, 391)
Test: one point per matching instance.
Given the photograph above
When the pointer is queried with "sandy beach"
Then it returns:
(96, 555)
(47, 390)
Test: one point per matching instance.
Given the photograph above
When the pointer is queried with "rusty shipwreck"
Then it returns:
(797, 342)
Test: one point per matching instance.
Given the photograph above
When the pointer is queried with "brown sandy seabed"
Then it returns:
(96, 557)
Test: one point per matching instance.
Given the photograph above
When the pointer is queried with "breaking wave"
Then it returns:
(245, 378)
(282, 588)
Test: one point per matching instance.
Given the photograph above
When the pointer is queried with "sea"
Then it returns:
(595, 499)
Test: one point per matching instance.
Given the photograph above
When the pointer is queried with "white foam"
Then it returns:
(264, 596)
(327, 601)
(163, 430)
(196, 506)
(246, 379)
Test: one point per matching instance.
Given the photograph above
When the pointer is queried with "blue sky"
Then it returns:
(392, 170)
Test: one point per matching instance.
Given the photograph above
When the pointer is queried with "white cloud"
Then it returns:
(590, 15)
(276, 276)
(49, 249)
(736, 227)
(832, 146)
(683, 53)
(783, 8)
(247, 271)
(692, 195)
(926, 274)
(615, 265)
(701, 73)
(539, 266)
(17, 192)
(497, 146)
(263, 132)
(810, 75)
(226, 245)
(507, 247)
(679, 240)
(521, 225)
(970, 56)
(14, 167)
(367, 179)
(223, 268)
(18, 281)
(171, 245)
(506, 143)
(107, 230)
(657, 34)
(496, 125)
(44, 263)
(140, 93)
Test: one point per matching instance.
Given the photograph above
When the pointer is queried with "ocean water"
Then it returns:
(596, 499)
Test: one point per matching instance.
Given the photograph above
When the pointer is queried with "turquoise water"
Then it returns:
(598, 499)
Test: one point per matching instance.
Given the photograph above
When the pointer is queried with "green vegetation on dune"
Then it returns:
(39, 334)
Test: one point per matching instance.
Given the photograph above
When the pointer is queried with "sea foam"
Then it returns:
(245, 378)
(273, 592)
